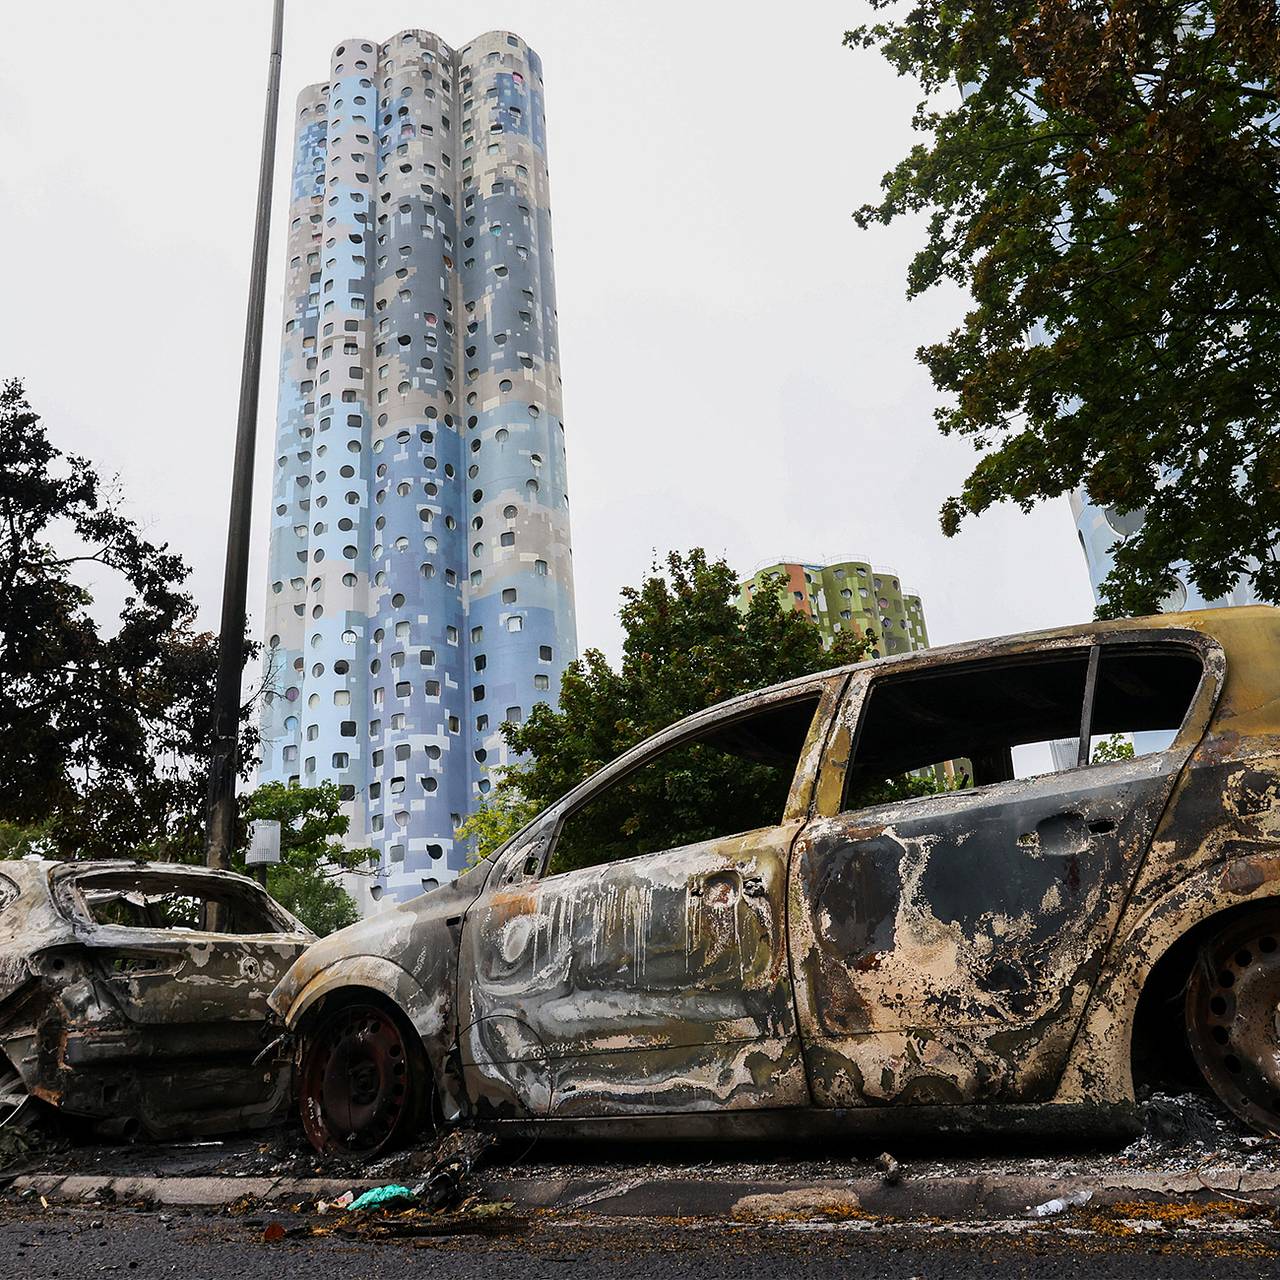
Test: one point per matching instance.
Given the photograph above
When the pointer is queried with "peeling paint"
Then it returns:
(152, 1029)
(971, 958)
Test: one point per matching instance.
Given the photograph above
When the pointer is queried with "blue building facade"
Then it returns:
(1100, 529)
(420, 576)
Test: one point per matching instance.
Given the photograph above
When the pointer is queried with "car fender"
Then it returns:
(426, 1012)
(1099, 1066)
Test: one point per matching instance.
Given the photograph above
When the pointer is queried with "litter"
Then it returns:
(1059, 1204)
(890, 1169)
(376, 1197)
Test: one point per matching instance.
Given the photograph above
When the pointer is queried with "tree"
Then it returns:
(103, 737)
(686, 647)
(1117, 747)
(496, 819)
(1107, 187)
(312, 855)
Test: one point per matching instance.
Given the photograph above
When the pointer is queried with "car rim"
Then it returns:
(357, 1089)
(1233, 1019)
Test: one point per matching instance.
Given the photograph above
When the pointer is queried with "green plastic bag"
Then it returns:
(377, 1196)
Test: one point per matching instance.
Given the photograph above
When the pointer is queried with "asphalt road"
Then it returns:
(65, 1243)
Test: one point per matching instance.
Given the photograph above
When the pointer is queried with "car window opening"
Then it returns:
(136, 901)
(983, 723)
(734, 778)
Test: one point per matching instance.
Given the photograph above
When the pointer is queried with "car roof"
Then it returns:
(1244, 630)
(42, 876)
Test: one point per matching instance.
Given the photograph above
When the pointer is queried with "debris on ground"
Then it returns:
(476, 1217)
(890, 1169)
(803, 1204)
(342, 1203)
(1060, 1204)
(379, 1197)
(30, 1139)
(1183, 1118)
(456, 1155)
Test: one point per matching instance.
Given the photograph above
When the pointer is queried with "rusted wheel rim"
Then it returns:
(356, 1088)
(1233, 1019)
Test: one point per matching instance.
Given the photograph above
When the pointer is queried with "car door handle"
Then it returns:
(1061, 835)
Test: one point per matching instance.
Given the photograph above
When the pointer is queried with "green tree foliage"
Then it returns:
(1108, 189)
(1117, 747)
(312, 853)
(20, 841)
(103, 734)
(686, 647)
(496, 819)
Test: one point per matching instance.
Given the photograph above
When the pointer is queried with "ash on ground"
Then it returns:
(1184, 1133)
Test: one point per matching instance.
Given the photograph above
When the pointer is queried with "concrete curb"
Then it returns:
(966, 1196)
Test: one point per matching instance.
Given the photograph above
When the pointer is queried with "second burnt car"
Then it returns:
(967, 888)
(133, 996)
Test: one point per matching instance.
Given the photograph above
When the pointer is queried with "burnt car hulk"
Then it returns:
(122, 1006)
(822, 947)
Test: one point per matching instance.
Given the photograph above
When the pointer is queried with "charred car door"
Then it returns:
(631, 955)
(984, 822)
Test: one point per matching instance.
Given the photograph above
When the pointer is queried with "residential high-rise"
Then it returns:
(1100, 529)
(420, 581)
(849, 596)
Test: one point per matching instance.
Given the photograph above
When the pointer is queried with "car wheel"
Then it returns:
(363, 1081)
(1233, 1018)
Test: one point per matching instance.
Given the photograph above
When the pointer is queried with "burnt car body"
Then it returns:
(846, 954)
(120, 1005)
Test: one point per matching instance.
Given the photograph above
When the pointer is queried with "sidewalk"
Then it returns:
(959, 1197)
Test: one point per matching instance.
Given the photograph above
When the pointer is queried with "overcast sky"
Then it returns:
(737, 356)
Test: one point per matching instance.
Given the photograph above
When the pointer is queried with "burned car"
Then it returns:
(121, 1005)
(974, 887)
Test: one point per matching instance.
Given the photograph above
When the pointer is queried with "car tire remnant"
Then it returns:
(1233, 1018)
(363, 1081)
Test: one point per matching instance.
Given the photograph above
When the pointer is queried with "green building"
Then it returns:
(848, 596)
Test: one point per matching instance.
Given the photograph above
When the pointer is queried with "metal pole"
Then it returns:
(221, 812)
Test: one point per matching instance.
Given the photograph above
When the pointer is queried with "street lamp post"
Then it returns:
(221, 812)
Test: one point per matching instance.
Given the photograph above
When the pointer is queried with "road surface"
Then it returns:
(60, 1242)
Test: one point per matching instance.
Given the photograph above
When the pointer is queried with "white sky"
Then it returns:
(737, 356)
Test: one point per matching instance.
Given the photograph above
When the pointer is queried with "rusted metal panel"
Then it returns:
(407, 955)
(660, 982)
(975, 955)
(155, 1028)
